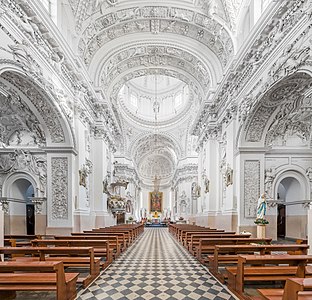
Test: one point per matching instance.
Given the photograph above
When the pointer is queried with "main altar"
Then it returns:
(155, 218)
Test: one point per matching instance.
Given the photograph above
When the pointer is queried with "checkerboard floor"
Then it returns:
(156, 267)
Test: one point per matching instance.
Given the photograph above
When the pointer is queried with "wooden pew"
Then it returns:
(195, 238)
(37, 276)
(187, 239)
(122, 237)
(228, 254)
(293, 266)
(77, 257)
(183, 233)
(101, 247)
(295, 289)
(206, 246)
(21, 239)
(128, 233)
(114, 243)
(174, 229)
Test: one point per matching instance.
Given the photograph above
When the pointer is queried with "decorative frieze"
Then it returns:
(41, 103)
(156, 19)
(251, 187)
(59, 185)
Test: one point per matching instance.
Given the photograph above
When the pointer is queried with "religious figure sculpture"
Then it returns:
(261, 207)
(268, 180)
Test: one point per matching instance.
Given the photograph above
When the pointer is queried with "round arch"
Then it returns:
(13, 177)
(292, 172)
(41, 101)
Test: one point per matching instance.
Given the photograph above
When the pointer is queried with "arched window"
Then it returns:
(51, 8)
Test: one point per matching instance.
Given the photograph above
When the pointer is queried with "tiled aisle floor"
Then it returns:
(156, 267)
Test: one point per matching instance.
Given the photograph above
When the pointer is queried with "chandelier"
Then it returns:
(156, 106)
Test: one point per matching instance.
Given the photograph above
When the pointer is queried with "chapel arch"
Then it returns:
(268, 116)
(18, 190)
(291, 185)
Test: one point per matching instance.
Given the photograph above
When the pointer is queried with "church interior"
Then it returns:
(170, 135)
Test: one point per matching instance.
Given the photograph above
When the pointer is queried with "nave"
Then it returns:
(156, 267)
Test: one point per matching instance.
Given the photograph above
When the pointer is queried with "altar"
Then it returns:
(155, 221)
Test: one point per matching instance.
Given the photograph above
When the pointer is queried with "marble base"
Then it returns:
(260, 231)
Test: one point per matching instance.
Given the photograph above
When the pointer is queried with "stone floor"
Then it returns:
(156, 267)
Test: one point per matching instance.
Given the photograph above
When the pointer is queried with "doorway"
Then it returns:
(22, 212)
(281, 218)
(291, 218)
(121, 218)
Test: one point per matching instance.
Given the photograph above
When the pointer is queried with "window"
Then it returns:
(134, 100)
(178, 100)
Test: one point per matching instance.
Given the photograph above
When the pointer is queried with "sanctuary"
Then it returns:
(213, 98)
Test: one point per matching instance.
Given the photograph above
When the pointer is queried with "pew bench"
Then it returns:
(37, 276)
(206, 246)
(114, 243)
(122, 238)
(295, 288)
(74, 257)
(266, 268)
(101, 247)
(195, 239)
(228, 254)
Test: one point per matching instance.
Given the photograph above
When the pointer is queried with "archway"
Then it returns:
(291, 217)
(21, 210)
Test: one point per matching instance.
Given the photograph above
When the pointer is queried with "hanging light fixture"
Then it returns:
(156, 180)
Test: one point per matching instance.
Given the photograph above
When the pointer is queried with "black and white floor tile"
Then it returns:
(156, 267)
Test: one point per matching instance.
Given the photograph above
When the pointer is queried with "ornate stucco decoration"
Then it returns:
(18, 125)
(269, 176)
(22, 160)
(279, 106)
(127, 173)
(186, 173)
(84, 172)
(38, 201)
(251, 187)
(115, 202)
(263, 45)
(156, 20)
(184, 203)
(59, 185)
(193, 85)
(153, 55)
(46, 110)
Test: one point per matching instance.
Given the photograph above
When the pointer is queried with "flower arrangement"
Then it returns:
(259, 221)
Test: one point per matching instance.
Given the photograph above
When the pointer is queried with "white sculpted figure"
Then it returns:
(261, 207)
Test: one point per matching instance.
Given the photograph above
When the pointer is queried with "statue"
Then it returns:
(261, 207)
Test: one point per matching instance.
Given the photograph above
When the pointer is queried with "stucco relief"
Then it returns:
(22, 160)
(47, 112)
(18, 125)
(285, 98)
(151, 19)
(251, 187)
(59, 187)
(284, 20)
(151, 56)
(193, 85)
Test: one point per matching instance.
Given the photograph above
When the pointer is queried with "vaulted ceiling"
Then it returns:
(184, 46)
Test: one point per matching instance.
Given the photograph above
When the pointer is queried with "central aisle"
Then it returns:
(156, 267)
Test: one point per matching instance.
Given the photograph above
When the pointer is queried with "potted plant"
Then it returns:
(259, 221)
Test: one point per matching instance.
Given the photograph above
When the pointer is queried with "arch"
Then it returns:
(273, 108)
(124, 58)
(40, 96)
(13, 177)
(198, 27)
(292, 172)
